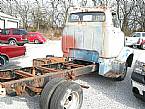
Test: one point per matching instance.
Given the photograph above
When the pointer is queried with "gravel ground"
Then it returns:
(103, 93)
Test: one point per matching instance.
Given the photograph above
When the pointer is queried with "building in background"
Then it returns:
(7, 21)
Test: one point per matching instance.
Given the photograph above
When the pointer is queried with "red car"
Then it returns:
(7, 52)
(13, 36)
(35, 37)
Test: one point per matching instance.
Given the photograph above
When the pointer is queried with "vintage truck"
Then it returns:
(7, 52)
(90, 43)
(136, 40)
(94, 30)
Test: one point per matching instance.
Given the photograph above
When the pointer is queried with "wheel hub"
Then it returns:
(12, 43)
(72, 101)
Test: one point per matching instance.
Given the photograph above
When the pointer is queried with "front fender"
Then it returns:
(125, 55)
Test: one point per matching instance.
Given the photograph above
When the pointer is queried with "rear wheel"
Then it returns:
(68, 95)
(12, 42)
(48, 91)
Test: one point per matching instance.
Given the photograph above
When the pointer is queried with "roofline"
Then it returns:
(3, 16)
(88, 9)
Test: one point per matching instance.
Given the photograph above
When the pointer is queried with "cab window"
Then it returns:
(136, 35)
(87, 17)
(143, 34)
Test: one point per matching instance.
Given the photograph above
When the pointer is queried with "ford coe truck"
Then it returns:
(90, 34)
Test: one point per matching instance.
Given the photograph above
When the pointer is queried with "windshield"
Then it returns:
(87, 17)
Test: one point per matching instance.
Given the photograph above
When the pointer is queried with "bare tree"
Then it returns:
(139, 15)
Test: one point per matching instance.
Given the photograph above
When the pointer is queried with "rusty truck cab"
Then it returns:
(90, 30)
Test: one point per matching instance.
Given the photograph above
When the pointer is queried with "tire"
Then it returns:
(2, 61)
(36, 41)
(21, 44)
(137, 95)
(134, 46)
(12, 42)
(68, 95)
(48, 91)
(121, 78)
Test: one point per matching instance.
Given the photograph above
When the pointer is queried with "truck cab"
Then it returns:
(90, 34)
(137, 39)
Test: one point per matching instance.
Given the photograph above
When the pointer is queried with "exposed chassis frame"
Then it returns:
(31, 80)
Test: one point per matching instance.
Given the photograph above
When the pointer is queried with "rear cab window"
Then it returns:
(87, 17)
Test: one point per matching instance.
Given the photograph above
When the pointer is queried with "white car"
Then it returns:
(137, 39)
(138, 77)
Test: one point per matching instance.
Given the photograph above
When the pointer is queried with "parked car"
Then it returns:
(13, 36)
(36, 37)
(137, 39)
(138, 77)
(7, 52)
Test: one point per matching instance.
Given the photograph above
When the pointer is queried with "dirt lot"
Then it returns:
(102, 94)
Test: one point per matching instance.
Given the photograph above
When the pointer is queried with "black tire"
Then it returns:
(121, 78)
(21, 44)
(3, 61)
(134, 46)
(48, 91)
(138, 96)
(68, 95)
(12, 42)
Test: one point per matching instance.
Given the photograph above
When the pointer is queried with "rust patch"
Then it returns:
(112, 74)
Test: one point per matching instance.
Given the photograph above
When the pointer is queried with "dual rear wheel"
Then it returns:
(61, 94)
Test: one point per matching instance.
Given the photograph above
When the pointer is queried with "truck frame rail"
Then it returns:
(31, 80)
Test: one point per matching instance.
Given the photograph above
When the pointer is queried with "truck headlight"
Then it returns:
(139, 67)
